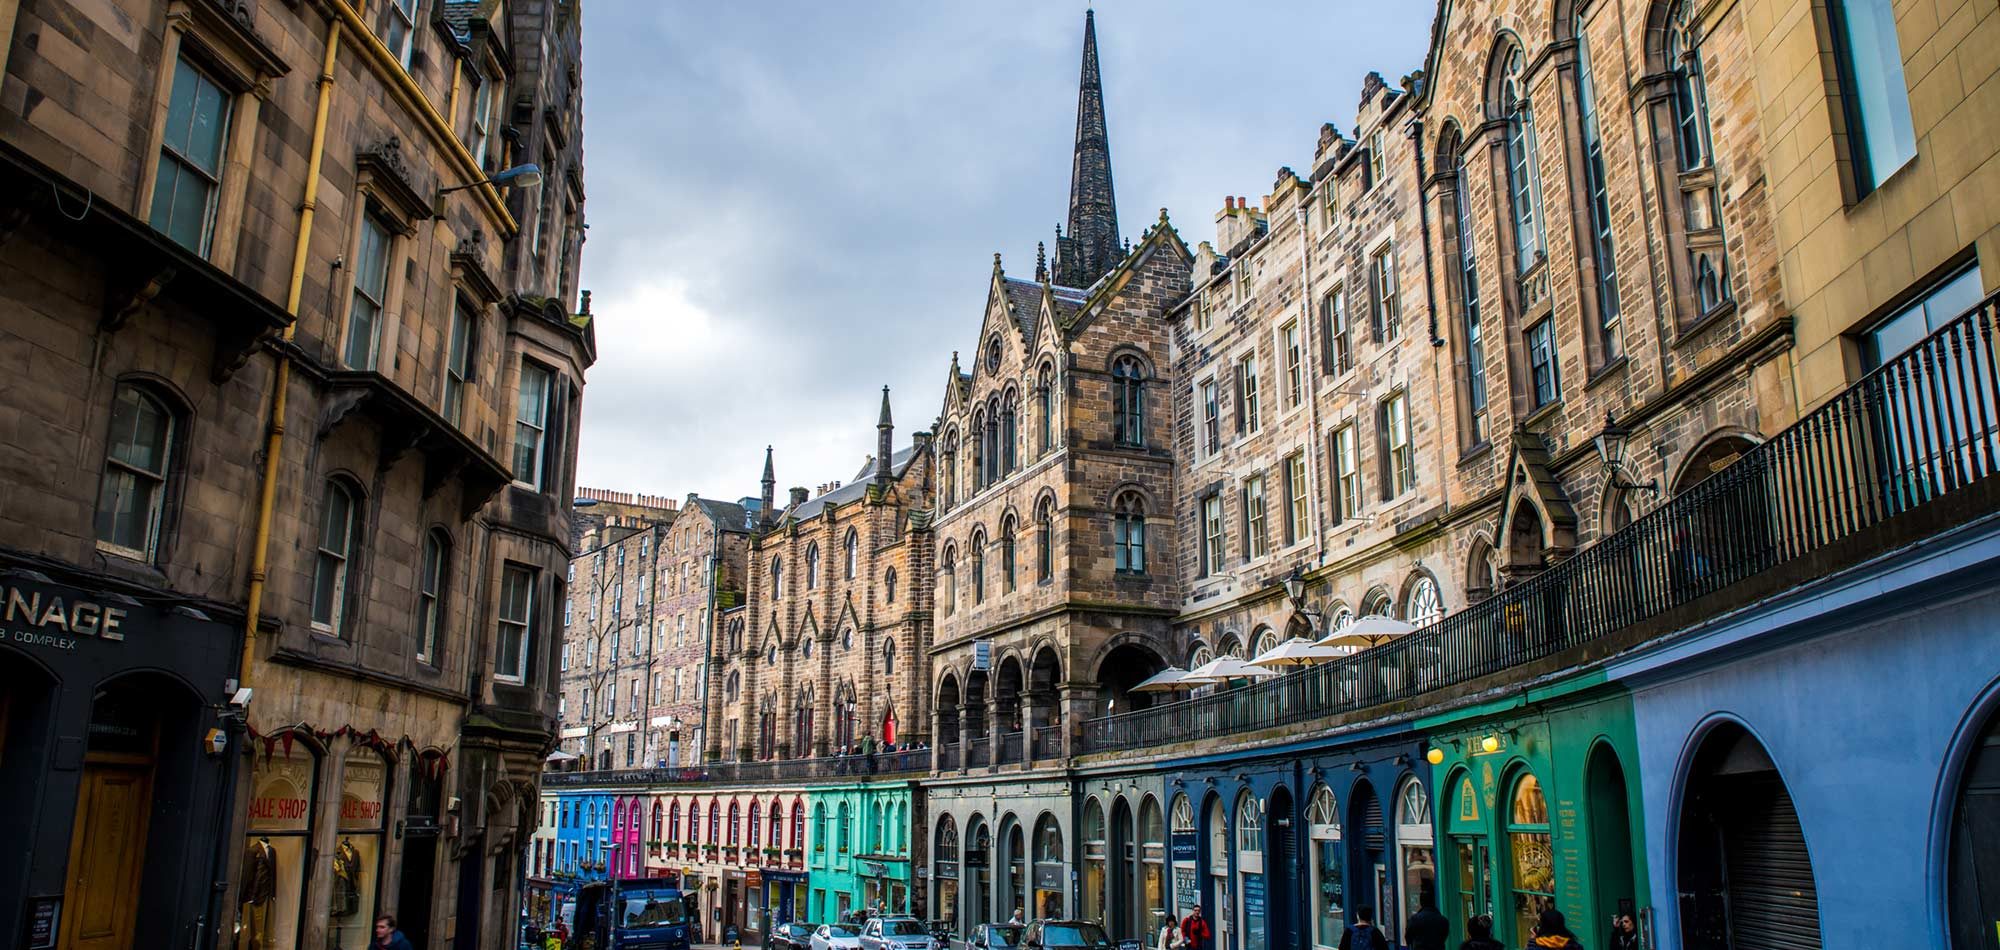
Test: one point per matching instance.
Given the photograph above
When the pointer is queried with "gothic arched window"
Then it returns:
(1128, 533)
(1045, 409)
(850, 553)
(1007, 554)
(978, 556)
(1045, 540)
(1523, 169)
(1604, 255)
(1468, 298)
(812, 566)
(1128, 402)
(1707, 267)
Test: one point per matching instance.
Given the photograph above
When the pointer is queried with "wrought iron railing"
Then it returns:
(896, 763)
(1046, 742)
(1918, 429)
(1010, 748)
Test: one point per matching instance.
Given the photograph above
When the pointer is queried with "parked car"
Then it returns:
(896, 933)
(836, 937)
(796, 935)
(995, 937)
(1065, 935)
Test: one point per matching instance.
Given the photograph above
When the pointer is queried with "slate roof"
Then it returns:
(811, 507)
(730, 515)
(458, 16)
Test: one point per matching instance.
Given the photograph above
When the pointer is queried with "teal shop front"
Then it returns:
(859, 854)
(1538, 808)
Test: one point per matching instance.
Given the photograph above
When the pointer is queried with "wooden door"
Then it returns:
(107, 849)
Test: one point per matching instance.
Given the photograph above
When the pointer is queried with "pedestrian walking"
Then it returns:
(1552, 933)
(387, 937)
(1362, 934)
(1016, 919)
(1479, 935)
(1427, 929)
(1624, 933)
(1170, 936)
(1194, 930)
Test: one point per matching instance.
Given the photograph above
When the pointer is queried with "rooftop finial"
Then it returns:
(1041, 263)
(1091, 249)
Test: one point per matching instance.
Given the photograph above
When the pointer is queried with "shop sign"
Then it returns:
(1048, 877)
(975, 857)
(947, 871)
(44, 916)
(1184, 845)
(42, 618)
(281, 799)
(874, 869)
(982, 654)
(1184, 888)
(362, 782)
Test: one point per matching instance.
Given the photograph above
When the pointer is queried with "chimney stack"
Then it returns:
(799, 496)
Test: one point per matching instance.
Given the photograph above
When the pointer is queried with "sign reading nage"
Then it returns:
(44, 618)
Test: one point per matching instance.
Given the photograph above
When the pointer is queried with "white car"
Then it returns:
(837, 937)
(896, 933)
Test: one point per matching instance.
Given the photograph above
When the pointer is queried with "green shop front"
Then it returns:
(1537, 808)
(860, 852)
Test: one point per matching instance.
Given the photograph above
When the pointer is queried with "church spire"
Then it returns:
(1090, 249)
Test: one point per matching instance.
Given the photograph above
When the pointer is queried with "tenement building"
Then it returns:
(1519, 474)
(290, 463)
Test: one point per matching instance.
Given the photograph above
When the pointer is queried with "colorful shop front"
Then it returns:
(1277, 843)
(115, 788)
(860, 849)
(999, 843)
(1539, 807)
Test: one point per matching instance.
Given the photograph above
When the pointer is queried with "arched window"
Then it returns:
(776, 827)
(978, 555)
(735, 824)
(1045, 540)
(1604, 256)
(980, 455)
(1323, 829)
(1010, 436)
(674, 821)
(842, 832)
(1523, 168)
(948, 471)
(777, 578)
(851, 553)
(889, 586)
(1424, 604)
(659, 821)
(1265, 639)
(820, 834)
(430, 595)
(1007, 554)
(1531, 860)
(756, 828)
(948, 579)
(1416, 849)
(1707, 265)
(767, 727)
(798, 825)
(1128, 402)
(1128, 533)
(844, 719)
(694, 822)
(1045, 409)
(733, 684)
(812, 566)
(1472, 327)
(1249, 825)
(138, 458)
(736, 636)
(889, 658)
(802, 723)
(1377, 604)
(339, 526)
(714, 821)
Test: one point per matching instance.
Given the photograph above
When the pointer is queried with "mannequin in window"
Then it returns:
(346, 879)
(254, 893)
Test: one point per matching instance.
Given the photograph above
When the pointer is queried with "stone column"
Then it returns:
(964, 735)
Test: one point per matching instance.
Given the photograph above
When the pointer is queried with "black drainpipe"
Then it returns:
(1424, 226)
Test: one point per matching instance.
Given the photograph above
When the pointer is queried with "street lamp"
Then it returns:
(1295, 590)
(1611, 452)
(520, 176)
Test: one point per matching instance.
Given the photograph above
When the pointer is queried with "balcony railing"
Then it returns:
(947, 757)
(978, 753)
(1010, 748)
(1045, 742)
(1833, 489)
(772, 771)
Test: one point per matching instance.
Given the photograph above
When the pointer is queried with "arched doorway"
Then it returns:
(1126, 666)
(1745, 876)
(1122, 915)
(1610, 840)
(1252, 886)
(1416, 852)
(1281, 858)
(1008, 683)
(1016, 884)
(1045, 692)
(1974, 870)
(1049, 876)
(26, 708)
(1219, 909)
(1152, 905)
(1096, 848)
(944, 872)
(1368, 864)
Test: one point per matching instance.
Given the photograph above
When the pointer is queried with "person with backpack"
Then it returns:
(1552, 933)
(1362, 935)
(1427, 929)
(1194, 930)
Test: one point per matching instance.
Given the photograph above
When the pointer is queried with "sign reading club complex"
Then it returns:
(46, 619)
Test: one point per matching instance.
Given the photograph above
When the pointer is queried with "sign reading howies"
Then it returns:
(45, 619)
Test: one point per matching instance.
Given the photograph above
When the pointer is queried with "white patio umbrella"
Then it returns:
(1225, 668)
(1298, 651)
(560, 756)
(1370, 631)
(1168, 680)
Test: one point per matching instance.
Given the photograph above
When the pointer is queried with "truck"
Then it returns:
(646, 913)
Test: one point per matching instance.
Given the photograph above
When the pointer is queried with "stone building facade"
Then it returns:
(226, 222)
(826, 651)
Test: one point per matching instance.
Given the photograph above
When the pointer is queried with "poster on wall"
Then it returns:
(1185, 889)
(1253, 912)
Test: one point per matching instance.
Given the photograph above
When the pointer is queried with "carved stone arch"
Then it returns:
(1659, 22)
(1538, 522)
(1145, 494)
(1718, 449)
(1562, 21)
(1481, 568)
(1148, 372)
(1493, 98)
(1195, 646)
(1450, 144)
(1126, 638)
(1378, 600)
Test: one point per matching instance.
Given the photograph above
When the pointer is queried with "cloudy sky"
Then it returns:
(793, 204)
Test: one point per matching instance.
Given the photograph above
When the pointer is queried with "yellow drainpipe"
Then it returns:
(274, 441)
(451, 104)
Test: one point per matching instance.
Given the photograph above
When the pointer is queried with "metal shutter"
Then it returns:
(1772, 902)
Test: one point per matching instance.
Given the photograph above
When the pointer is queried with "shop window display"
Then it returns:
(357, 850)
(271, 885)
(1323, 824)
(1416, 842)
(1532, 861)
